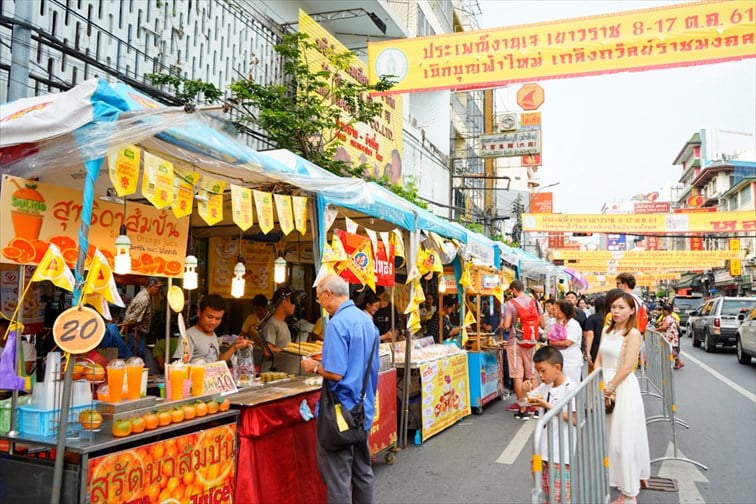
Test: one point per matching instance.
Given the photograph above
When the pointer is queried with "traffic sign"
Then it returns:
(530, 96)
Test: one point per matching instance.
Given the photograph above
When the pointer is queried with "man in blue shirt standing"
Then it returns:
(349, 338)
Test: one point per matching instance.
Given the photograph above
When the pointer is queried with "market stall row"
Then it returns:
(109, 125)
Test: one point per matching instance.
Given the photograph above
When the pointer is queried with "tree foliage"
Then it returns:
(316, 110)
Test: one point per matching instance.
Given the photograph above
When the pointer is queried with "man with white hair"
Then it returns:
(350, 336)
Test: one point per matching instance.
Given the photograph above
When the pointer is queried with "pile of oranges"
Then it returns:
(153, 420)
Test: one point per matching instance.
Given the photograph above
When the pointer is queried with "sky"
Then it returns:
(609, 137)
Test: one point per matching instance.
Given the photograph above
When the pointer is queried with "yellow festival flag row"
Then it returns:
(164, 184)
(684, 255)
(701, 222)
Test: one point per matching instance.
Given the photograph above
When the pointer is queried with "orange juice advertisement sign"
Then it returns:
(192, 468)
(40, 214)
(445, 393)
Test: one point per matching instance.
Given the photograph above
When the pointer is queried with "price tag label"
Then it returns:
(218, 379)
(78, 330)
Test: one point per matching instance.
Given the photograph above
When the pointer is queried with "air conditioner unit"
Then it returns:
(508, 122)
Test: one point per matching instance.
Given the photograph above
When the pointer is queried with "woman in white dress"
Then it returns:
(627, 439)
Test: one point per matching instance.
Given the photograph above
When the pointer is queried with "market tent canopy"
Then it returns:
(34, 142)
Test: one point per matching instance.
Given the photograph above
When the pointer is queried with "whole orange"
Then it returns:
(212, 407)
(201, 409)
(121, 428)
(138, 425)
(151, 421)
(177, 415)
(164, 418)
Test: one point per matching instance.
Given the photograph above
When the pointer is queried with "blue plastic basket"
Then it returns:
(39, 422)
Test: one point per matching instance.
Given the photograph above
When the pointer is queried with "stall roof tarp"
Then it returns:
(428, 221)
(189, 139)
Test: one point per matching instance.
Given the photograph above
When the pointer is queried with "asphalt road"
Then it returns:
(486, 458)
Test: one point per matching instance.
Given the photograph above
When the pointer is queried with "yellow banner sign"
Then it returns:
(299, 208)
(706, 222)
(445, 393)
(264, 206)
(241, 206)
(157, 180)
(185, 180)
(284, 211)
(669, 36)
(210, 200)
(123, 169)
(378, 144)
(644, 255)
(647, 263)
(39, 214)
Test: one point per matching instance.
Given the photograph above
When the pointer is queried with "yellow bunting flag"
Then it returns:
(210, 200)
(183, 199)
(418, 296)
(465, 280)
(337, 246)
(123, 169)
(299, 207)
(469, 318)
(241, 206)
(100, 280)
(397, 240)
(329, 257)
(413, 322)
(157, 180)
(53, 267)
(284, 211)
(264, 206)
(99, 303)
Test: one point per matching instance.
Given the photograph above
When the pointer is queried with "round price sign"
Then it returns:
(78, 330)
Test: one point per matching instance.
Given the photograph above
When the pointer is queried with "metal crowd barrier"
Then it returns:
(586, 478)
(659, 375)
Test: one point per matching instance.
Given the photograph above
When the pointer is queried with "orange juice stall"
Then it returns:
(110, 191)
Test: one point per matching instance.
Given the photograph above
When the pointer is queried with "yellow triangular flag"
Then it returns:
(299, 207)
(53, 267)
(398, 241)
(100, 280)
(98, 302)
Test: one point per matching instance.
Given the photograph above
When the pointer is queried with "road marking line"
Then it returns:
(518, 442)
(686, 475)
(721, 377)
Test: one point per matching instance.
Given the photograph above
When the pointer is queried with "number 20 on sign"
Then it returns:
(78, 330)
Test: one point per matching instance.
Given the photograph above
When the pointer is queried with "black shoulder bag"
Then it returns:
(338, 427)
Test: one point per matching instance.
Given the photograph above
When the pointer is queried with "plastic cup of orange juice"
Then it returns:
(134, 367)
(176, 375)
(116, 371)
(197, 373)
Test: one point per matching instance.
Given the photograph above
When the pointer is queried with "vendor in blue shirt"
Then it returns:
(350, 336)
(491, 322)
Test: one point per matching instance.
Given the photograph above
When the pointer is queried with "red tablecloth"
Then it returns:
(277, 454)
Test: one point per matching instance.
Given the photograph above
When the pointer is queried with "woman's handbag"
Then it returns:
(611, 401)
(338, 427)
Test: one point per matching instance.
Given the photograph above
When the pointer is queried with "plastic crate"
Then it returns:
(5, 408)
(39, 422)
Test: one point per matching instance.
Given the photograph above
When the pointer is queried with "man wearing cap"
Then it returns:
(136, 322)
(276, 334)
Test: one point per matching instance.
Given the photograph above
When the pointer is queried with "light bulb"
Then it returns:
(279, 270)
(441, 285)
(238, 282)
(190, 272)
(122, 260)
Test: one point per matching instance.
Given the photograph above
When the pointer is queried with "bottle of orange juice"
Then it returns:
(197, 373)
(176, 376)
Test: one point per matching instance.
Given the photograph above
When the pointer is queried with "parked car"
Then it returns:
(684, 306)
(718, 321)
(745, 338)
